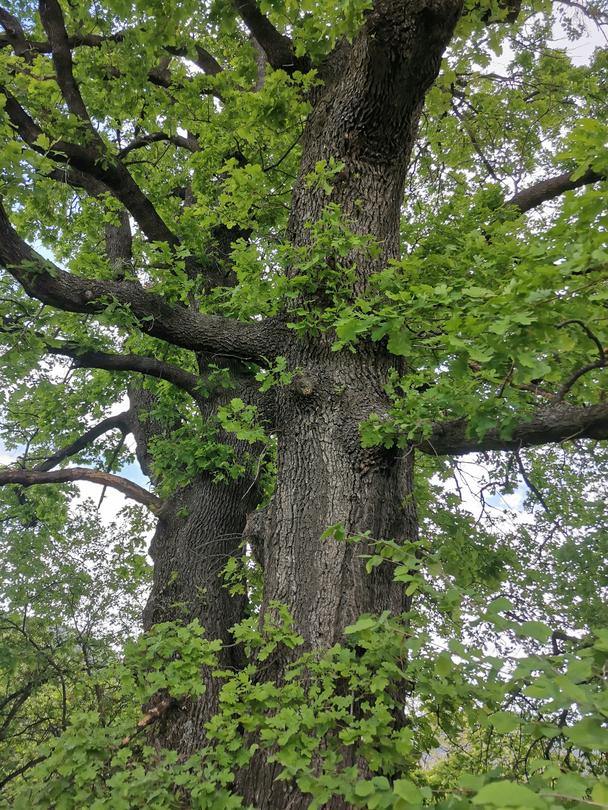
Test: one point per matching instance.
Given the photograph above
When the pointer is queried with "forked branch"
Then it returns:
(88, 161)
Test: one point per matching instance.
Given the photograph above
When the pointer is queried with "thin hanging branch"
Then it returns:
(601, 362)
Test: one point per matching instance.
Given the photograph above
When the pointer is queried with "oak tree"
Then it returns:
(307, 256)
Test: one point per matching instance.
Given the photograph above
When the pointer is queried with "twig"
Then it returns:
(601, 362)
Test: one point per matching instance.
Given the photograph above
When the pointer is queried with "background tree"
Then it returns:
(312, 265)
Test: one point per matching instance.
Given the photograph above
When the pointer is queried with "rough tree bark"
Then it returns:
(365, 116)
(200, 529)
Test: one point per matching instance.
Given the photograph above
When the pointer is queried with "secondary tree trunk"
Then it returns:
(200, 530)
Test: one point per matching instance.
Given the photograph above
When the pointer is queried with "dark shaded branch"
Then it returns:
(531, 486)
(552, 187)
(30, 478)
(558, 422)
(119, 244)
(18, 702)
(118, 422)
(20, 770)
(182, 326)
(52, 20)
(512, 8)
(118, 237)
(15, 36)
(190, 143)
(475, 144)
(204, 60)
(580, 372)
(149, 366)
(71, 177)
(278, 48)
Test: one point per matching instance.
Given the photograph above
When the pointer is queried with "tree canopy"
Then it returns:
(321, 289)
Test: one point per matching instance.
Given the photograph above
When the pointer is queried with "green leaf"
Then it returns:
(504, 722)
(362, 624)
(537, 630)
(399, 343)
(444, 664)
(507, 794)
(589, 733)
(408, 791)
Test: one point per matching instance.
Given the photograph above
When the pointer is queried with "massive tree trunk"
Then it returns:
(365, 117)
(325, 477)
(191, 546)
(199, 531)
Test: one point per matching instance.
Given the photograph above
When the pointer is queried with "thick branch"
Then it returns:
(558, 422)
(120, 422)
(204, 60)
(179, 325)
(21, 770)
(396, 55)
(278, 48)
(118, 237)
(190, 143)
(550, 188)
(16, 38)
(52, 20)
(30, 478)
(149, 366)
(119, 244)
(15, 35)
